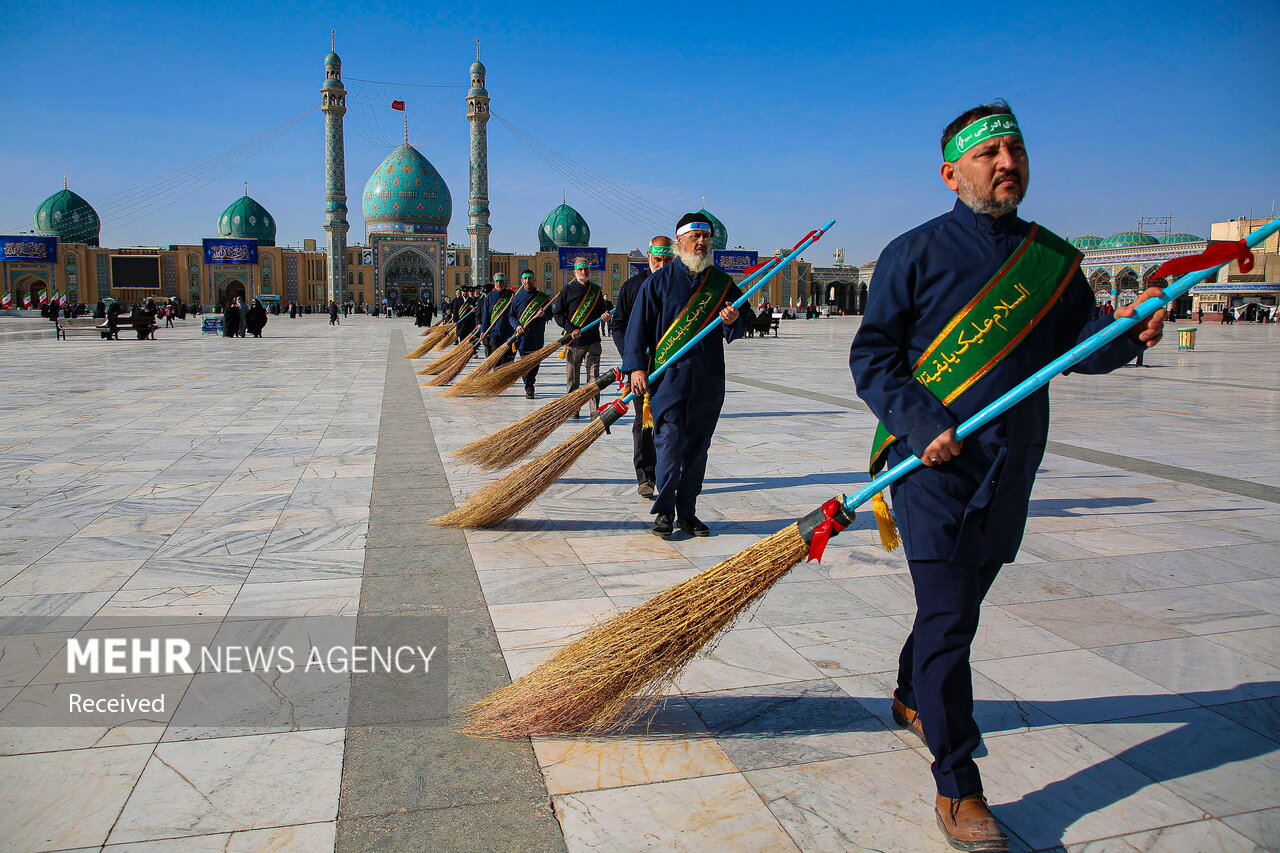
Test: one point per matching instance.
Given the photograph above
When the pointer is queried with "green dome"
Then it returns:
(245, 219)
(407, 195)
(1085, 242)
(1128, 238)
(68, 217)
(563, 226)
(720, 236)
(1180, 237)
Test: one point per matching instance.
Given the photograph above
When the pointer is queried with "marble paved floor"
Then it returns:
(1125, 672)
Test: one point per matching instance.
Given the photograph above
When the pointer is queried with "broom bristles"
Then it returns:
(505, 376)
(421, 349)
(615, 673)
(504, 448)
(459, 358)
(446, 360)
(515, 490)
(468, 383)
(439, 324)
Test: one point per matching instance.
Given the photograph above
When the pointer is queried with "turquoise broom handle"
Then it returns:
(1042, 376)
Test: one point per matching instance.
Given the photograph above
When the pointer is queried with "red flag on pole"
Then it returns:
(397, 105)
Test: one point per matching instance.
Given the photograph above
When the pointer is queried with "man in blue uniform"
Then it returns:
(495, 317)
(577, 305)
(528, 312)
(1018, 300)
(643, 455)
(675, 303)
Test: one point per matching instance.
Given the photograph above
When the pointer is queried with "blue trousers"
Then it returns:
(934, 676)
(681, 439)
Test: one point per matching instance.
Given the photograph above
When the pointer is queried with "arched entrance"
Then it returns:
(230, 290)
(30, 286)
(407, 275)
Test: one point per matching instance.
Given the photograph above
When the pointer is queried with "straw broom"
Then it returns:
(425, 345)
(512, 492)
(510, 444)
(467, 384)
(494, 383)
(434, 326)
(617, 670)
(454, 362)
(434, 367)
(615, 673)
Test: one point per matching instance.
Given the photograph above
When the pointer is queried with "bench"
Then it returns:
(763, 325)
(98, 326)
(125, 321)
(79, 324)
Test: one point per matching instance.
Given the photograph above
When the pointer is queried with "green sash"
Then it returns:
(995, 321)
(588, 304)
(702, 308)
(536, 303)
(499, 308)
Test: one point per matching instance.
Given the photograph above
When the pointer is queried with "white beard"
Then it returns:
(695, 262)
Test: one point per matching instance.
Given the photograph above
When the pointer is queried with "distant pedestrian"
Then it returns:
(333, 313)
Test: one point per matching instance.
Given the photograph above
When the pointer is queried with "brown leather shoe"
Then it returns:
(969, 824)
(907, 718)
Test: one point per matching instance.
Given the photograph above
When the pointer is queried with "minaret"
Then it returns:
(333, 103)
(478, 205)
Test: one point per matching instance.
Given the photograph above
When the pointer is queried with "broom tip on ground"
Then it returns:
(617, 671)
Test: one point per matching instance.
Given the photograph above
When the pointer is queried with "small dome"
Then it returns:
(1180, 237)
(68, 217)
(477, 67)
(1085, 242)
(407, 195)
(563, 226)
(245, 219)
(1128, 238)
(720, 236)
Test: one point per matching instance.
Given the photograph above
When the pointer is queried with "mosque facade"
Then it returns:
(406, 255)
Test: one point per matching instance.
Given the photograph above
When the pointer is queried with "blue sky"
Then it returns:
(781, 115)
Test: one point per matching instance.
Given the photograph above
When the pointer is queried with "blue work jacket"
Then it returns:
(532, 338)
(504, 327)
(701, 370)
(972, 509)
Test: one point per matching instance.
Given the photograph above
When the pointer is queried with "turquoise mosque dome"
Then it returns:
(563, 226)
(720, 236)
(1128, 238)
(1180, 237)
(68, 217)
(1085, 242)
(407, 195)
(245, 219)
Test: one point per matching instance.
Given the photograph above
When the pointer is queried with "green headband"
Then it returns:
(661, 251)
(526, 275)
(978, 132)
(582, 265)
(499, 277)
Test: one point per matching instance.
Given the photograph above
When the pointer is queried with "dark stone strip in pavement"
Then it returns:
(424, 786)
(1217, 482)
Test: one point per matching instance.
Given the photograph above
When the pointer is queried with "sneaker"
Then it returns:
(645, 490)
(528, 393)
(662, 525)
(693, 527)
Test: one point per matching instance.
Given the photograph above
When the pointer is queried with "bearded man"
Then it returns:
(644, 456)
(960, 310)
(676, 302)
